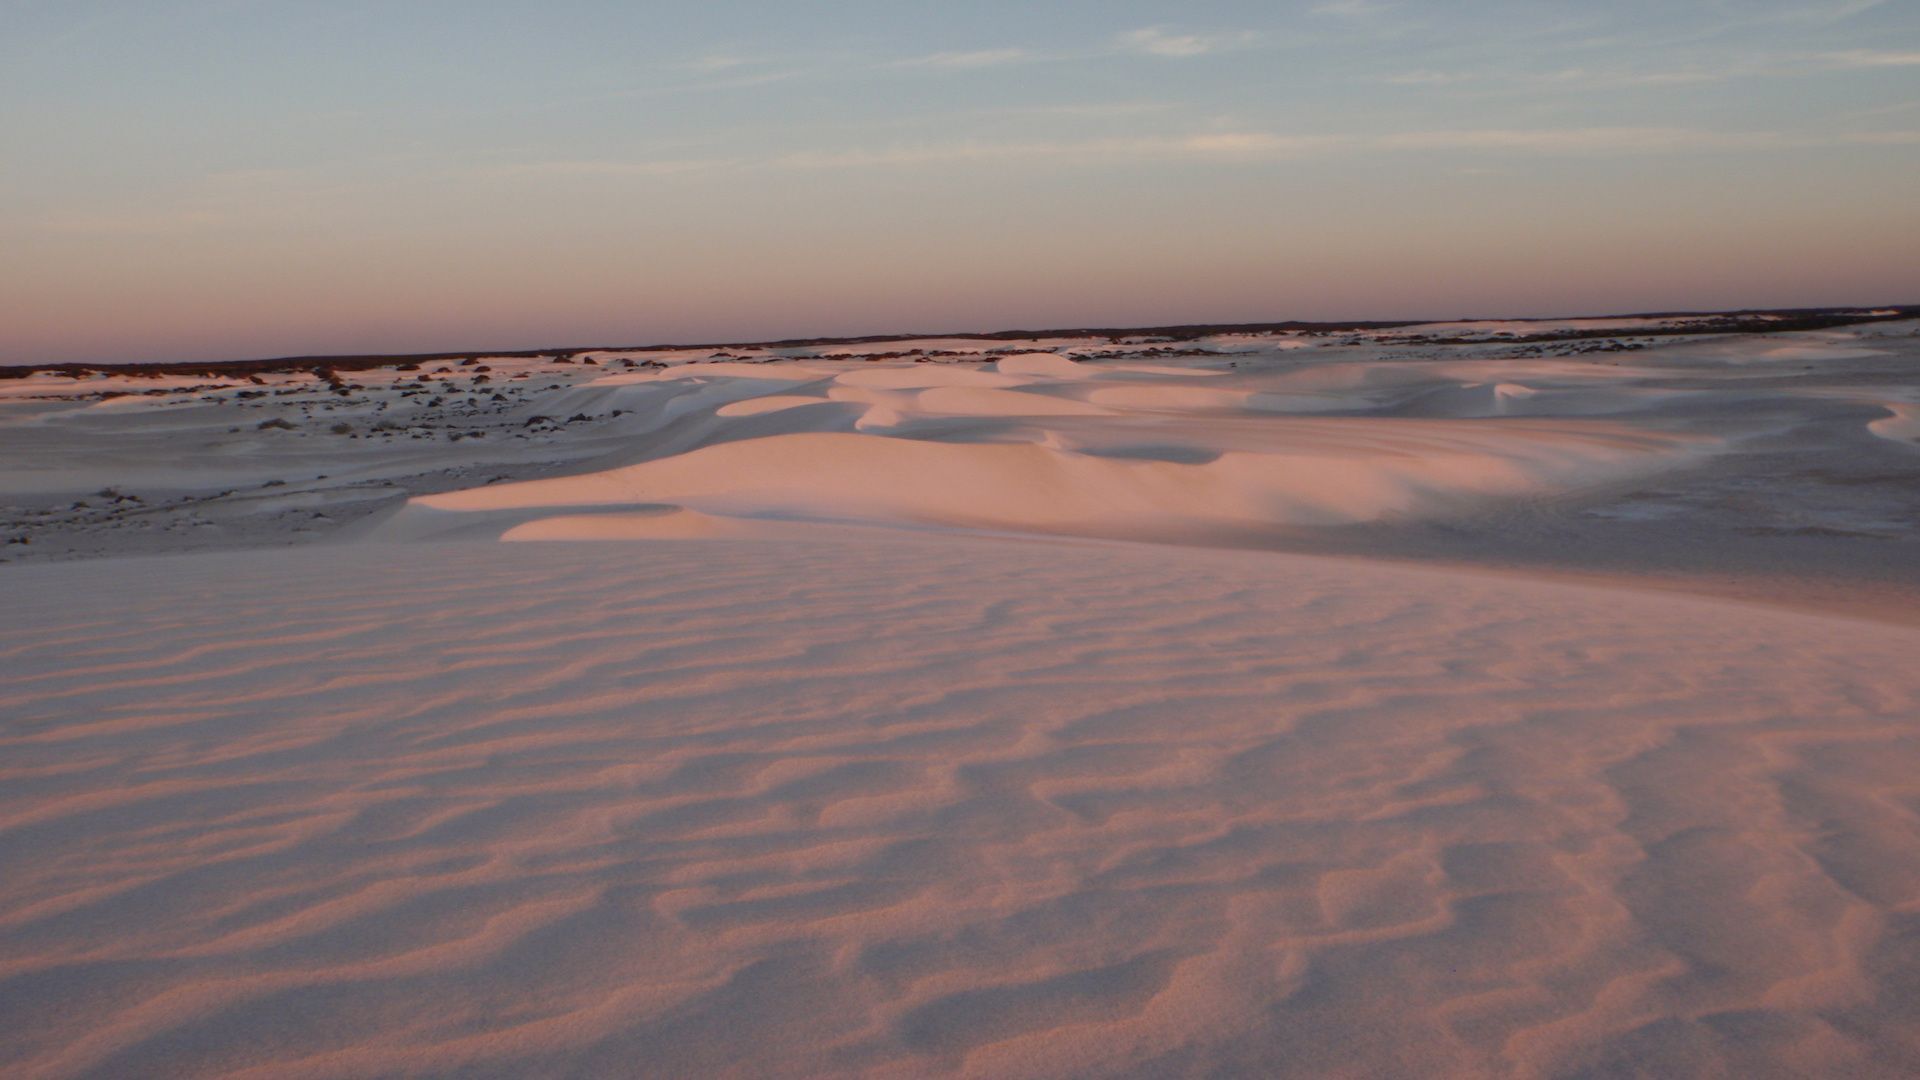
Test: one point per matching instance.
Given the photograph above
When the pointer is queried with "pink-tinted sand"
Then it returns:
(995, 807)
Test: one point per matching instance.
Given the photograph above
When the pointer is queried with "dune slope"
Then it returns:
(1029, 808)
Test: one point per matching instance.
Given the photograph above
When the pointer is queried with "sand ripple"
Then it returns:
(1033, 808)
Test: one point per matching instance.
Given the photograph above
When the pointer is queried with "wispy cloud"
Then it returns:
(1872, 58)
(1580, 141)
(1159, 41)
(1238, 146)
(1815, 13)
(977, 58)
(1216, 145)
(255, 198)
(1880, 138)
(1259, 146)
(716, 62)
(1424, 77)
(1565, 77)
(1349, 9)
(1777, 65)
(589, 167)
(1084, 110)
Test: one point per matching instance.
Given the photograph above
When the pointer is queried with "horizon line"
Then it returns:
(1172, 331)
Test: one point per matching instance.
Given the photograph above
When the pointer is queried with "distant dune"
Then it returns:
(1781, 320)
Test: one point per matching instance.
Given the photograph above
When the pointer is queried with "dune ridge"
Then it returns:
(1332, 474)
(1046, 443)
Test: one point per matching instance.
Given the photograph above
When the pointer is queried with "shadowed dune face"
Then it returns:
(1036, 809)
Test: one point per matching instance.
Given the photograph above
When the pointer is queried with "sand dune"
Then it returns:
(1046, 443)
(1901, 422)
(1001, 809)
(1329, 472)
(1042, 364)
(912, 716)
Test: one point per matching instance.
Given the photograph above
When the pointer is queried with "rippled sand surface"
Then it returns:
(845, 803)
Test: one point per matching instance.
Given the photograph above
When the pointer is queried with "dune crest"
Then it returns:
(1332, 473)
(1046, 443)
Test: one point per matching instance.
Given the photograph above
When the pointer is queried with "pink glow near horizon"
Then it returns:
(239, 196)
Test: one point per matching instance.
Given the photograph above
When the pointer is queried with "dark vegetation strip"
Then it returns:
(1735, 322)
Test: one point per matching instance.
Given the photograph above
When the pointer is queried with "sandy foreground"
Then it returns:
(979, 715)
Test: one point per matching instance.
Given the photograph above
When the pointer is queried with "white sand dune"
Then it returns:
(910, 716)
(754, 406)
(1049, 444)
(1901, 422)
(1001, 809)
(1043, 365)
(1329, 472)
(925, 376)
(1177, 399)
(980, 401)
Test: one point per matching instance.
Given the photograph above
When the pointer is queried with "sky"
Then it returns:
(207, 179)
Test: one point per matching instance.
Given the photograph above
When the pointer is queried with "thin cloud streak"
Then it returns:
(978, 58)
(609, 168)
(1269, 146)
(206, 212)
(1349, 9)
(1148, 41)
(1211, 145)
(1873, 58)
(1790, 65)
(1159, 41)
(1245, 146)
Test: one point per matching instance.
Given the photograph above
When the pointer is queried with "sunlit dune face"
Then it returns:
(943, 805)
(1041, 441)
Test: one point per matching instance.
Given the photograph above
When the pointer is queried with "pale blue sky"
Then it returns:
(248, 177)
